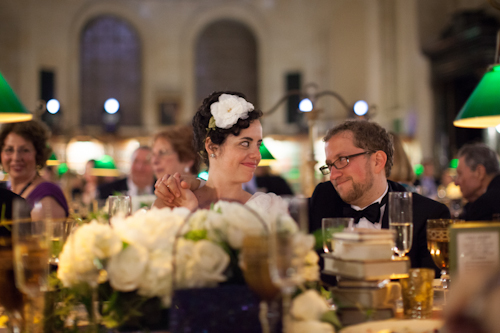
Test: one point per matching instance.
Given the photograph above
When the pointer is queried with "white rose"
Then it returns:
(308, 326)
(155, 229)
(106, 242)
(87, 243)
(310, 271)
(157, 278)
(184, 264)
(125, 269)
(308, 306)
(210, 262)
(238, 222)
(229, 109)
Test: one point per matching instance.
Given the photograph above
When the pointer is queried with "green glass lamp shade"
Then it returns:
(266, 157)
(52, 160)
(62, 169)
(482, 109)
(105, 167)
(11, 109)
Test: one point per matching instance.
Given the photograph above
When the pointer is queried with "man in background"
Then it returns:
(140, 181)
(479, 180)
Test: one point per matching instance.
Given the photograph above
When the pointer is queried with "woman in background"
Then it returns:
(402, 171)
(173, 152)
(24, 152)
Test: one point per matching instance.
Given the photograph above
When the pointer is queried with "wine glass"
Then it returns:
(438, 240)
(401, 221)
(31, 239)
(256, 271)
(285, 264)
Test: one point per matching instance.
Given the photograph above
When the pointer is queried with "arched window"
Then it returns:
(226, 59)
(110, 68)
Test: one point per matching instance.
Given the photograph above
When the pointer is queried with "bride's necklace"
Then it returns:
(28, 185)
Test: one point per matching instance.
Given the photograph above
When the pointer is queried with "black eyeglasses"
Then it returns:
(341, 162)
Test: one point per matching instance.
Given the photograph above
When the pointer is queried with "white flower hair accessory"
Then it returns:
(227, 111)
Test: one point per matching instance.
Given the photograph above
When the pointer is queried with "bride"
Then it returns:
(228, 135)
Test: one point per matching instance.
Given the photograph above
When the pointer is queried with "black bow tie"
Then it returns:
(371, 213)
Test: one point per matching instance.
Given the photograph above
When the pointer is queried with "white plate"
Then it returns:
(397, 326)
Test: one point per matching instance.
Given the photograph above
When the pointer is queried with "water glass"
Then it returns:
(331, 225)
(418, 293)
(401, 221)
(119, 205)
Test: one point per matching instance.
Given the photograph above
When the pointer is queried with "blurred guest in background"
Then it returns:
(264, 181)
(402, 171)
(139, 182)
(89, 192)
(24, 152)
(479, 180)
(428, 182)
(173, 152)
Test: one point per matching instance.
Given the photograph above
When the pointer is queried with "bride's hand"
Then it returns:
(173, 191)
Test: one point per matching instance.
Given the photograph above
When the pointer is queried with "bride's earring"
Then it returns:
(186, 169)
(212, 155)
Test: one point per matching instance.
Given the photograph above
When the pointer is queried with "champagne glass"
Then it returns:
(438, 240)
(30, 235)
(61, 230)
(401, 221)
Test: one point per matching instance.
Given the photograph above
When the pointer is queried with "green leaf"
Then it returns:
(331, 318)
(196, 235)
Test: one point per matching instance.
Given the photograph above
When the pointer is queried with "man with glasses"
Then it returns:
(140, 181)
(359, 157)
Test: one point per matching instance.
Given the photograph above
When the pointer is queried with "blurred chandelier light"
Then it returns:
(11, 109)
(482, 109)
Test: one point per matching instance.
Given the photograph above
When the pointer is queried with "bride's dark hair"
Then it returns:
(218, 135)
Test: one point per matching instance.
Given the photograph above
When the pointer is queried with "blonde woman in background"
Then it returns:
(402, 171)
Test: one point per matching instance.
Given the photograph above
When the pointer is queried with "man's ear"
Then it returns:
(480, 171)
(380, 161)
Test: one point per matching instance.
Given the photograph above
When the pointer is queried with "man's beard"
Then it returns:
(358, 189)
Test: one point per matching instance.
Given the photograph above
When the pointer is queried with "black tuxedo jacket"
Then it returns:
(105, 190)
(325, 202)
(486, 205)
(6, 199)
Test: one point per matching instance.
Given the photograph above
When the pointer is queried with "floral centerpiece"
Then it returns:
(140, 259)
